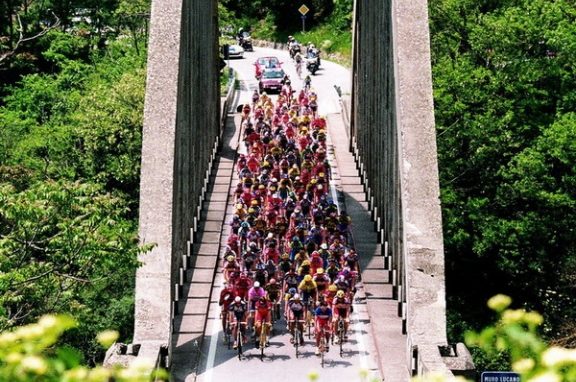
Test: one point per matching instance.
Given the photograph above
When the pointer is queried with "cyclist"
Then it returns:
(290, 280)
(239, 310)
(263, 315)
(307, 289)
(254, 294)
(243, 284)
(351, 260)
(341, 308)
(322, 280)
(298, 59)
(230, 265)
(296, 310)
(323, 315)
(273, 291)
(285, 264)
(227, 296)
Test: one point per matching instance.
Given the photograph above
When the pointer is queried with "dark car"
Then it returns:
(271, 80)
(263, 63)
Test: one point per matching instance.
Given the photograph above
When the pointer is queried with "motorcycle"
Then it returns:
(245, 41)
(313, 62)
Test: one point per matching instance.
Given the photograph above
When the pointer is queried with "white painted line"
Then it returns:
(213, 343)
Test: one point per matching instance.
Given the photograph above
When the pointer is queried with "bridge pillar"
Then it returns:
(181, 126)
(393, 130)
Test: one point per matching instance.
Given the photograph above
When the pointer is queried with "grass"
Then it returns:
(334, 47)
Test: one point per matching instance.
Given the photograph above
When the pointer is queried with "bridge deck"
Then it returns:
(197, 330)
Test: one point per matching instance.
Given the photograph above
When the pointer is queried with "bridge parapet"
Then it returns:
(393, 136)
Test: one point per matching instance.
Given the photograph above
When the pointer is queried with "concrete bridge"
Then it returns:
(391, 138)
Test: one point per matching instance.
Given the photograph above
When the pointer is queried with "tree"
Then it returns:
(502, 88)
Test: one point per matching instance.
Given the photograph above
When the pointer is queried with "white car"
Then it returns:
(235, 51)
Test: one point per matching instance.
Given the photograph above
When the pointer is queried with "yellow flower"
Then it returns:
(99, 374)
(34, 364)
(556, 356)
(30, 332)
(549, 376)
(533, 318)
(523, 365)
(499, 302)
(513, 316)
(313, 376)
(107, 338)
(14, 358)
(77, 374)
(48, 322)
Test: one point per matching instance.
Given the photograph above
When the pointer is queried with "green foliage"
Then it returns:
(69, 178)
(516, 334)
(64, 47)
(504, 95)
(32, 353)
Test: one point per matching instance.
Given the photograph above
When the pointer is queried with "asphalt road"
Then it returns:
(280, 363)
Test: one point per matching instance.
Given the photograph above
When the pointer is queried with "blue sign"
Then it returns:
(500, 376)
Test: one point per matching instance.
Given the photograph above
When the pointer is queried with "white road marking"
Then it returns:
(212, 350)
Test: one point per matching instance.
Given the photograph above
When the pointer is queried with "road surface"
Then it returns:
(218, 363)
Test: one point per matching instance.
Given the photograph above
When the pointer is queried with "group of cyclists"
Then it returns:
(288, 254)
(299, 57)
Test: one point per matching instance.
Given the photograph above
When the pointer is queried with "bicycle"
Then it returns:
(323, 346)
(227, 332)
(239, 339)
(340, 334)
(297, 334)
(263, 338)
(309, 319)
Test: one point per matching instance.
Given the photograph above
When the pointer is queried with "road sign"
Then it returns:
(303, 10)
(500, 376)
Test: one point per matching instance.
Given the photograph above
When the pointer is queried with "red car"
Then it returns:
(271, 80)
(263, 63)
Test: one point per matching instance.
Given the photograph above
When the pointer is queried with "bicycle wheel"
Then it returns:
(262, 342)
(239, 339)
(227, 334)
(296, 339)
(341, 336)
(322, 349)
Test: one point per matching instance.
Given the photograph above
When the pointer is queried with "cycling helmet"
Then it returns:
(230, 258)
(292, 291)
(340, 293)
(256, 284)
(307, 278)
(332, 288)
(253, 245)
(238, 299)
(320, 271)
(324, 246)
(296, 297)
